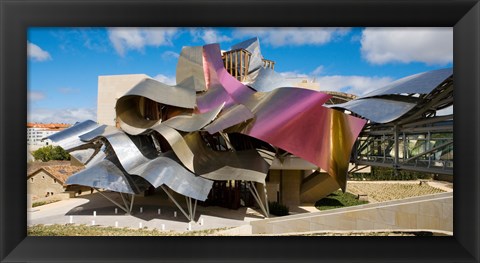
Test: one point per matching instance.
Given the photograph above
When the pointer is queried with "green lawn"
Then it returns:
(35, 204)
(338, 199)
(84, 230)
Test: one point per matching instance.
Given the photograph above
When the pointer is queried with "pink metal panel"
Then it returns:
(295, 120)
(292, 119)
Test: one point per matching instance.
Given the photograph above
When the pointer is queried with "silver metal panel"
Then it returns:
(161, 170)
(132, 130)
(128, 106)
(100, 131)
(68, 138)
(232, 173)
(194, 122)
(253, 46)
(162, 93)
(96, 159)
(377, 110)
(190, 68)
(127, 152)
(82, 155)
(104, 175)
(178, 144)
(422, 83)
(202, 160)
(129, 116)
(232, 116)
(164, 170)
(267, 79)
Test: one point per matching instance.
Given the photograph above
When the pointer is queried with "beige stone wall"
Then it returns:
(110, 89)
(291, 181)
(433, 212)
(273, 185)
(39, 184)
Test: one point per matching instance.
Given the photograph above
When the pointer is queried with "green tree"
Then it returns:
(50, 152)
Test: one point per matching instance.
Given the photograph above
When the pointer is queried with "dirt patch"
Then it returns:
(386, 191)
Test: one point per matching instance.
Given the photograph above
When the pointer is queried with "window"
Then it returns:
(55, 181)
(31, 180)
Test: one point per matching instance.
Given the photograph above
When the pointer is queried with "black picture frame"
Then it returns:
(16, 16)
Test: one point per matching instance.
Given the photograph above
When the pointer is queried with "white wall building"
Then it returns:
(37, 131)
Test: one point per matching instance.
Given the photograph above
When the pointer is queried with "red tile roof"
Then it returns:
(59, 172)
(53, 126)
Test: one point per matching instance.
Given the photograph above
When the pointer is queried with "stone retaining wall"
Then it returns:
(434, 212)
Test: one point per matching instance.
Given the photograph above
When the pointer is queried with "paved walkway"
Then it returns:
(81, 211)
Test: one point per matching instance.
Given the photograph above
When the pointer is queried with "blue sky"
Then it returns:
(64, 63)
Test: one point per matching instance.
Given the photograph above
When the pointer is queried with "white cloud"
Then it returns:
(124, 39)
(169, 80)
(317, 71)
(169, 55)
(292, 36)
(36, 53)
(357, 85)
(35, 96)
(67, 90)
(405, 45)
(292, 75)
(69, 115)
(208, 36)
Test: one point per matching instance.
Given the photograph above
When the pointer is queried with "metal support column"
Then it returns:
(114, 202)
(395, 162)
(188, 216)
(258, 199)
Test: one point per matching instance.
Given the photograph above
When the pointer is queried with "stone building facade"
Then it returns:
(49, 180)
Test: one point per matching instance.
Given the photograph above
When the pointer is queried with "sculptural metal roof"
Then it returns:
(201, 111)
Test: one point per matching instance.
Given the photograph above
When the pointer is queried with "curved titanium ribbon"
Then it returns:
(388, 104)
(376, 109)
(128, 106)
(194, 122)
(68, 138)
(134, 162)
(190, 68)
(202, 160)
(205, 99)
(422, 83)
(164, 170)
(104, 175)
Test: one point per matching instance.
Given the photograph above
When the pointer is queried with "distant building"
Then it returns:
(46, 181)
(37, 131)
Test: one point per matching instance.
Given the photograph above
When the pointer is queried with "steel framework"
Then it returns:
(418, 141)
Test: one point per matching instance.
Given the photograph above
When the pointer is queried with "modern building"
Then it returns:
(37, 131)
(232, 132)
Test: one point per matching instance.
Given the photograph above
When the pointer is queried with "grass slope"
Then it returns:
(338, 199)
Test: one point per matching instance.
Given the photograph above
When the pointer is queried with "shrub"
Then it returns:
(49, 153)
(338, 199)
(385, 174)
(277, 209)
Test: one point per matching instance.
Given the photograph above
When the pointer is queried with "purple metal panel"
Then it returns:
(305, 128)
(215, 73)
(292, 119)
